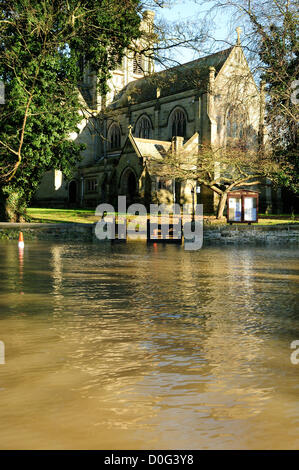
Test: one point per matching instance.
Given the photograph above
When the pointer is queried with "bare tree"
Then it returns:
(271, 42)
(219, 169)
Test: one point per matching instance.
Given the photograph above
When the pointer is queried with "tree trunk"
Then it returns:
(221, 205)
(12, 206)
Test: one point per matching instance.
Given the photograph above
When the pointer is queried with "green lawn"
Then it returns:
(88, 216)
(62, 215)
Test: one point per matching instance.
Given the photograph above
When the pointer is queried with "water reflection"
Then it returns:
(128, 346)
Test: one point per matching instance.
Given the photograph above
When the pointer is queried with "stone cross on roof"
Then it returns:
(239, 32)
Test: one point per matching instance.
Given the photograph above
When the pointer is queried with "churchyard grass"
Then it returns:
(46, 215)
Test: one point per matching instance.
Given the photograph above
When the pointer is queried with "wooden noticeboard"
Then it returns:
(242, 206)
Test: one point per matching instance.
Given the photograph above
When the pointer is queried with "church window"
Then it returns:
(235, 122)
(178, 123)
(138, 64)
(91, 185)
(114, 137)
(144, 128)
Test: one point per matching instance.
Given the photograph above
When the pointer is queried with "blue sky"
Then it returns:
(188, 9)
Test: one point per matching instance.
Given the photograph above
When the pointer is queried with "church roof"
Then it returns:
(150, 148)
(190, 75)
(153, 150)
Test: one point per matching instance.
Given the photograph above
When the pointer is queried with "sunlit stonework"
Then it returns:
(211, 100)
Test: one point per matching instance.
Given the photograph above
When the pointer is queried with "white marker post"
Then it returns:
(21, 240)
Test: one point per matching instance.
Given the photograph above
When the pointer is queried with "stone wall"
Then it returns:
(59, 232)
(284, 234)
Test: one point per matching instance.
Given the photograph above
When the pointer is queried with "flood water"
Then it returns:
(148, 347)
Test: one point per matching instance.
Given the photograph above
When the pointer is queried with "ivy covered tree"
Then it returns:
(279, 53)
(41, 47)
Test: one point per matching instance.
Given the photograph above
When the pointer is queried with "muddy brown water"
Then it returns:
(148, 347)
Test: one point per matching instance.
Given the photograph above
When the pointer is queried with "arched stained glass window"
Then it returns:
(178, 123)
(114, 137)
(144, 128)
(235, 122)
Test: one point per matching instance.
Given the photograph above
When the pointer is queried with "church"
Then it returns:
(147, 114)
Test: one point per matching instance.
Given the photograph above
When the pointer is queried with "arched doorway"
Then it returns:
(128, 185)
(73, 192)
(104, 188)
(131, 185)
